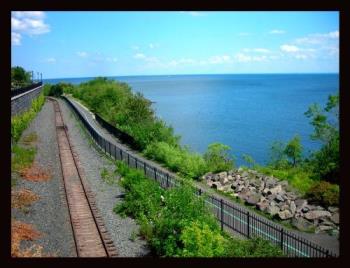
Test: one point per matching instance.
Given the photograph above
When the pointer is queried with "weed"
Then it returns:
(23, 198)
(35, 173)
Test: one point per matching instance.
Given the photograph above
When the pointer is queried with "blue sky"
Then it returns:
(80, 44)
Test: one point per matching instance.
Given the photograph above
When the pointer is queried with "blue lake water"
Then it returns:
(245, 111)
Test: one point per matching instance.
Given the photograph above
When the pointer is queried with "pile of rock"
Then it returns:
(276, 198)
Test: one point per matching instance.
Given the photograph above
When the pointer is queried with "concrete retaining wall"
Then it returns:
(22, 102)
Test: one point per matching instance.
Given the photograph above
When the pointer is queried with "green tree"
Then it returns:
(56, 90)
(293, 150)
(19, 75)
(325, 162)
(277, 156)
(217, 157)
(249, 160)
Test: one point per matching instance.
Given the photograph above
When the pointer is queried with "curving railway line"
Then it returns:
(90, 235)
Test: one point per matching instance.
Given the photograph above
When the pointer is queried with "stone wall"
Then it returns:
(22, 102)
(276, 198)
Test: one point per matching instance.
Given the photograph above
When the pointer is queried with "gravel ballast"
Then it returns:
(49, 215)
(122, 230)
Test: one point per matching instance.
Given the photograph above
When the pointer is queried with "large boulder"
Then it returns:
(262, 205)
(217, 185)
(223, 180)
(333, 209)
(285, 214)
(316, 214)
(276, 190)
(323, 229)
(335, 218)
(230, 178)
(253, 198)
(272, 209)
(279, 198)
(270, 182)
(292, 207)
(301, 224)
(300, 203)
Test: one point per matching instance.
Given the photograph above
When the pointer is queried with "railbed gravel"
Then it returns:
(49, 215)
(122, 230)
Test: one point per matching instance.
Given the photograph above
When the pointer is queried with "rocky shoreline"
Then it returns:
(276, 198)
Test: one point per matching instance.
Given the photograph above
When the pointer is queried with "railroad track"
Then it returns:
(90, 235)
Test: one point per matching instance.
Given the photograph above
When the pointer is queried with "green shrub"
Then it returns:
(55, 90)
(20, 122)
(324, 193)
(217, 158)
(199, 240)
(177, 159)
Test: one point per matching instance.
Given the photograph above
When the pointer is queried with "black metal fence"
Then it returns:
(229, 215)
(21, 90)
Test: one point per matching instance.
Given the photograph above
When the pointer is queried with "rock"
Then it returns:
(253, 198)
(328, 223)
(333, 209)
(301, 224)
(210, 183)
(316, 214)
(279, 198)
(285, 214)
(292, 207)
(245, 174)
(320, 208)
(240, 169)
(291, 196)
(217, 185)
(270, 182)
(335, 218)
(262, 205)
(283, 183)
(216, 177)
(323, 228)
(305, 209)
(271, 197)
(223, 180)
(238, 177)
(300, 203)
(262, 186)
(272, 209)
(230, 178)
(265, 191)
(276, 190)
(240, 188)
(222, 174)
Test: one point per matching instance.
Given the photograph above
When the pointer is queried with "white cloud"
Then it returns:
(241, 57)
(219, 59)
(276, 31)
(257, 50)
(318, 38)
(139, 56)
(16, 39)
(153, 45)
(28, 23)
(50, 60)
(82, 54)
(135, 47)
(289, 48)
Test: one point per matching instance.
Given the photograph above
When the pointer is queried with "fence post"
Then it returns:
(136, 162)
(128, 160)
(327, 253)
(167, 180)
(222, 214)
(248, 224)
(282, 238)
(121, 154)
(155, 174)
(200, 191)
(144, 167)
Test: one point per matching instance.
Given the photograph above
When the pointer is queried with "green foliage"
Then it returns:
(324, 193)
(20, 122)
(249, 160)
(55, 90)
(176, 222)
(188, 164)
(21, 157)
(108, 177)
(293, 150)
(278, 158)
(200, 241)
(19, 76)
(217, 157)
(325, 162)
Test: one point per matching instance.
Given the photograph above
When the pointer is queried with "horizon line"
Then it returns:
(186, 74)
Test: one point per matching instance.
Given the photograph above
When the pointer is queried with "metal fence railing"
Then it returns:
(21, 90)
(229, 215)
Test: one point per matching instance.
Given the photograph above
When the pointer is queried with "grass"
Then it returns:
(35, 173)
(21, 157)
(108, 176)
(29, 139)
